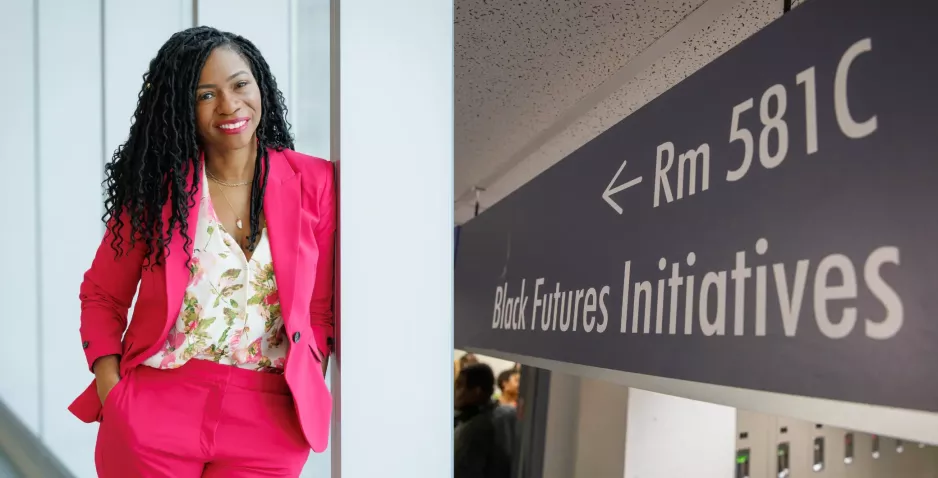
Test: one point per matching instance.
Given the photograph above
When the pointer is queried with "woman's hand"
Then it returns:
(105, 385)
(107, 374)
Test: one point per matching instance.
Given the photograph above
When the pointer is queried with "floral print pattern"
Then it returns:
(230, 313)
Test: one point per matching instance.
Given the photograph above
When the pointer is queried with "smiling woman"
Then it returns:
(222, 306)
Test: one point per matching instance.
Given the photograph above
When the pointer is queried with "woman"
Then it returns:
(230, 236)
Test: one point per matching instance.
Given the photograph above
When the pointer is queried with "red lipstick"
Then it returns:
(233, 126)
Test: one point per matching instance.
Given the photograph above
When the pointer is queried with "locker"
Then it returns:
(753, 444)
(916, 461)
(833, 443)
(892, 456)
(794, 438)
(863, 462)
(780, 447)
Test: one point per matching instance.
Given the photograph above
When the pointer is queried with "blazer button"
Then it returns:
(85, 344)
(296, 337)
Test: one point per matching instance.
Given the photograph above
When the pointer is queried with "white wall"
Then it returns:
(672, 436)
(19, 385)
(597, 428)
(69, 199)
(561, 436)
(129, 46)
(395, 145)
(603, 421)
(310, 105)
(72, 73)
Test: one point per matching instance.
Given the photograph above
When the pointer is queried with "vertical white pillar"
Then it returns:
(562, 426)
(586, 428)
(671, 436)
(602, 429)
(70, 130)
(309, 65)
(19, 384)
(129, 45)
(311, 77)
(395, 151)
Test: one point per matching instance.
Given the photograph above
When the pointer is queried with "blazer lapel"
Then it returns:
(282, 210)
(176, 260)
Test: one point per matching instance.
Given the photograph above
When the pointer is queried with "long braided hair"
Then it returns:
(162, 152)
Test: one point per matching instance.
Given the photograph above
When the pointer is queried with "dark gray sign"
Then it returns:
(769, 223)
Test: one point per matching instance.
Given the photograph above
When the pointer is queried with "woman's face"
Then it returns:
(228, 102)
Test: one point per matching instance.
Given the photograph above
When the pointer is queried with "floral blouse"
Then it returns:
(231, 310)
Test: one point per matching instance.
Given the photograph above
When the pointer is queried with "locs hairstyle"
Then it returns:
(162, 152)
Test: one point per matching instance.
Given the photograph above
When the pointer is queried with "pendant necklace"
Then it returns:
(228, 185)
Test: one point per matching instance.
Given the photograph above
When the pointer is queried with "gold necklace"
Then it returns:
(230, 185)
(222, 183)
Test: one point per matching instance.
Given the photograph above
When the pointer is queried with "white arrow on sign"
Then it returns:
(607, 194)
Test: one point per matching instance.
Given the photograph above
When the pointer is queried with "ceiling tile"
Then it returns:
(730, 28)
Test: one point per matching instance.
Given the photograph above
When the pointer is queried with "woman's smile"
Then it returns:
(234, 126)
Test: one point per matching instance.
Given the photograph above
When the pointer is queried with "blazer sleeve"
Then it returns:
(321, 305)
(106, 294)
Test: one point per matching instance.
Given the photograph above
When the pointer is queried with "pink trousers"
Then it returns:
(200, 420)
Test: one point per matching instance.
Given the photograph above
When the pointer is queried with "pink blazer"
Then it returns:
(299, 206)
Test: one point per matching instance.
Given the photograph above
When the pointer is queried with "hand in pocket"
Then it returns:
(105, 385)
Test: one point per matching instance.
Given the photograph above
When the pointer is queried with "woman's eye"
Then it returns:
(241, 84)
(206, 96)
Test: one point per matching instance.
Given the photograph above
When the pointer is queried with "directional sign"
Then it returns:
(769, 223)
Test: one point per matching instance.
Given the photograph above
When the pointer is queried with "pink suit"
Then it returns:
(299, 206)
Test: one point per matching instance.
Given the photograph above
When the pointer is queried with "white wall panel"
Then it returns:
(585, 428)
(673, 436)
(70, 137)
(601, 431)
(598, 428)
(563, 419)
(19, 384)
(395, 133)
(309, 102)
(129, 46)
(311, 72)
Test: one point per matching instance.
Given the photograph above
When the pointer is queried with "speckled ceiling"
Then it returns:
(522, 65)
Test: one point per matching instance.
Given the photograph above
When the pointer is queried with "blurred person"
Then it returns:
(230, 235)
(484, 436)
(462, 361)
(509, 382)
(468, 359)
